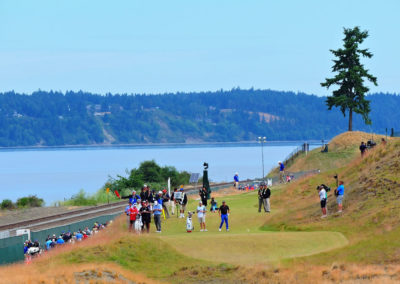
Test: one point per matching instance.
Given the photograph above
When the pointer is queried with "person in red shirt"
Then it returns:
(133, 212)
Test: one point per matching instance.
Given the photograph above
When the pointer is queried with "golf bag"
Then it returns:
(189, 223)
(138, 224)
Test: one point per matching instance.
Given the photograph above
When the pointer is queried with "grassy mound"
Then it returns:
(370, 219)
(342, 149)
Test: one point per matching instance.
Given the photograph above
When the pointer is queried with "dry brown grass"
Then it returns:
(352, 138)
(85, 273)
(49, 269)
(267, 274)
(113, 232)
(323, 274)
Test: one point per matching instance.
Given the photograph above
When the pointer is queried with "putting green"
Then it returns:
(250, 249)
(245, 243)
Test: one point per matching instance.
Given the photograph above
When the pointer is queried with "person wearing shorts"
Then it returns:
(201, 215)
(340, 195)
(322, 198)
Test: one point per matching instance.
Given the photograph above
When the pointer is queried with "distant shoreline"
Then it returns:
(162, 145)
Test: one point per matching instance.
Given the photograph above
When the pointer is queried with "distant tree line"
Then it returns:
(80, 118)
(23, 202)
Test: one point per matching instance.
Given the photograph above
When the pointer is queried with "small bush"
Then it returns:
(30, 201)
(7, 204)
(82, 199)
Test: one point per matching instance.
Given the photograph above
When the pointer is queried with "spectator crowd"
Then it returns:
(34, 248)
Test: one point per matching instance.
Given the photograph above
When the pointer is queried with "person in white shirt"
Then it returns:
(201, 214)
(322, 196)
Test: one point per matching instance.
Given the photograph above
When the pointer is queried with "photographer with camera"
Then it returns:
(322, 197)
(363, 149)
(339, 193)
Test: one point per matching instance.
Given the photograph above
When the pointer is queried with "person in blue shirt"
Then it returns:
(157, 211)
(236, 180)
(49, 243)
(281, 172)
(26, 247)
(79, 236)
(339, 197)
(133, 198)
(159, 198)
(60, 241)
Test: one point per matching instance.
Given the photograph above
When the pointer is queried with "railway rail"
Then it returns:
(81, 214)
(62, 216)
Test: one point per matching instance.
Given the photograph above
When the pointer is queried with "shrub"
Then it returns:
(82, 199)
(7, 204)
(30, 201)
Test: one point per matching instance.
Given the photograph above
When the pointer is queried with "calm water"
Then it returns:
(55, 174)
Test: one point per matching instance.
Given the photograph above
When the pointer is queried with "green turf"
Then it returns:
(248, 241)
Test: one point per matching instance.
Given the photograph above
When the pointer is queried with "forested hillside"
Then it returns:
(54, 118)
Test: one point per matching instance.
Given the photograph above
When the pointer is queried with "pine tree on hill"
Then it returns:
(350, 77)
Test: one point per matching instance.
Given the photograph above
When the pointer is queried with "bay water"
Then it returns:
(55, 174)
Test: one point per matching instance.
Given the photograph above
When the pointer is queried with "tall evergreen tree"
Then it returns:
(350, 77)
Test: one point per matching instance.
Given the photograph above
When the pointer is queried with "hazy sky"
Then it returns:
(166, 46)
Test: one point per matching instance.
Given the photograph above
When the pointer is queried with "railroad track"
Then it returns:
(85, 213)
(82, 214)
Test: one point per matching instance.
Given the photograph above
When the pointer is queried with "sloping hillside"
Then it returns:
(370, 218)
(342, 149)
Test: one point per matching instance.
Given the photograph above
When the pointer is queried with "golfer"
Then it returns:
(201, 215)
(224, 213)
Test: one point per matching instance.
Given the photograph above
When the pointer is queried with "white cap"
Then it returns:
(236, 173)
(279, 162)
(160, 192)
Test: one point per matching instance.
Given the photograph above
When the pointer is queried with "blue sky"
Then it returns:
(168, 46)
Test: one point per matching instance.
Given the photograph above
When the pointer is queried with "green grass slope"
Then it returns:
(370, 218)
